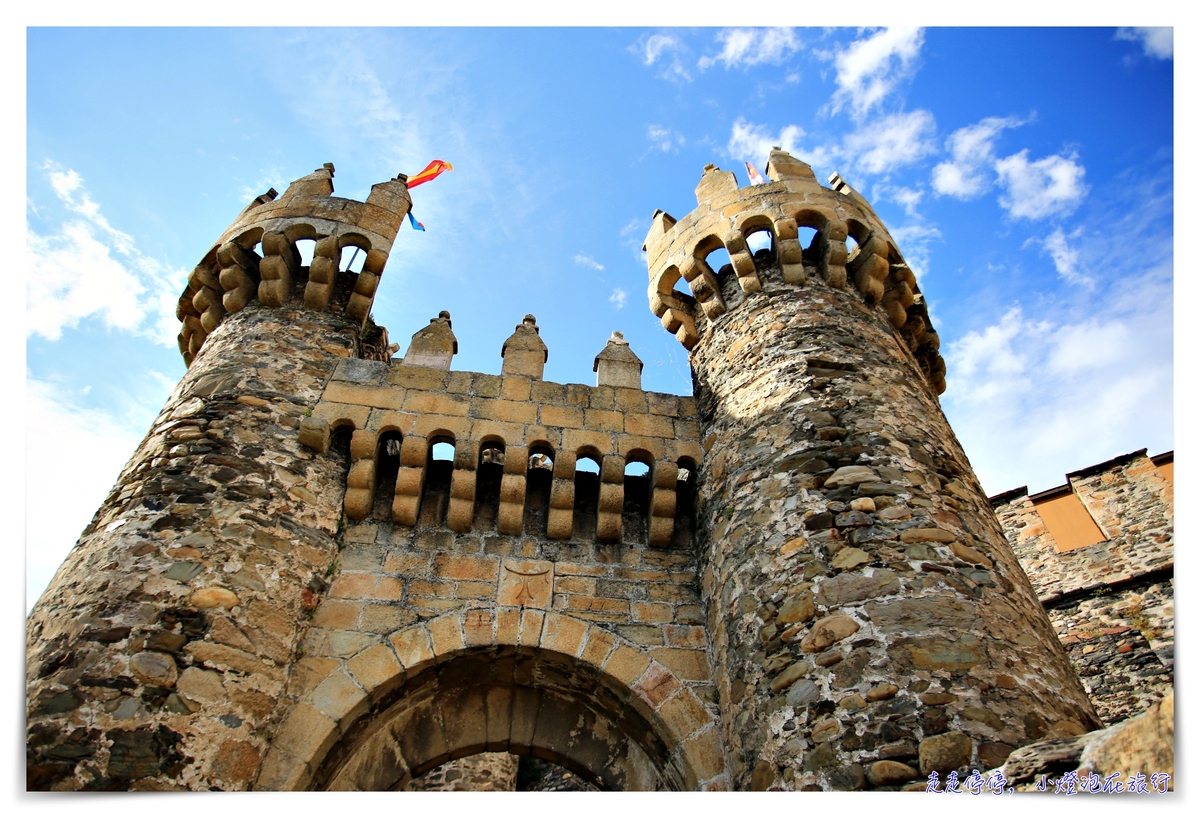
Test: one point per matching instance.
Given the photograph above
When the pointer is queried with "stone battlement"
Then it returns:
(507, 418)
(257, 255)
(728, 217)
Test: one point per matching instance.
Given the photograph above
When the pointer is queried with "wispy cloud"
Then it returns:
(632, 235)
(1047, 187)
(1066, 257)
(87, 268)
(1157, 42)
(618, 298)
(967, 173)
(744, 47)
(752, 142)
(664, 139)
(274, 177)
(588, 261)
(871, 68)
(892, 141)
(1027, 395)
(906, 197)
(914, 241)
(667, 52)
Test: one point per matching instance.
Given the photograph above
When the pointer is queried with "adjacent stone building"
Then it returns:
(1100, 551)
(328, 568)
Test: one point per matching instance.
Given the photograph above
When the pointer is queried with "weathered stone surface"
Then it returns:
(887, 773)
(827, 631)
(849, 588)
(154, 668)
(944, 753)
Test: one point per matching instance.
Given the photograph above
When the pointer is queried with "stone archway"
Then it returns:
(509, 679)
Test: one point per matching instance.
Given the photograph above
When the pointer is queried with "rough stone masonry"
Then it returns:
(790, 581)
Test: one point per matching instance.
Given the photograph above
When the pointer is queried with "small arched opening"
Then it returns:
(439, 469)
(684, 535)
(352, 259)
(339, 441)
(539, 477)
(587, 494)
(489, 474)
(306, 249)
(387, 466)
(635, 508)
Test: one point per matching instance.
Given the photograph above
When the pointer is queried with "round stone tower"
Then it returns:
(158, 655)
(869, 623)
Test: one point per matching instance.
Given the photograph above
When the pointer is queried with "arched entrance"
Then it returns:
(514, 680)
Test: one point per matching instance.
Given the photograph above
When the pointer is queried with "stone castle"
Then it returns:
(328, 568)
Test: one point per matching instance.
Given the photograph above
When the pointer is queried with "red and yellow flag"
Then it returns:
(431, 172)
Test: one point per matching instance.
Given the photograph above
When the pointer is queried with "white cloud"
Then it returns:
(906, 197)
(742, 47)
(871, 68)
(1156, 41)
(1066, 258)
(1047, 187)
(971, 149)
(87, 268)
(95, 444)
(1032, 399)
(666, 51)
(893, 141)
(664, 139)
(749, 142)
(588, 261)
(618, 298)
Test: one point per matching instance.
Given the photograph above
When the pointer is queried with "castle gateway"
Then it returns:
(325, 568)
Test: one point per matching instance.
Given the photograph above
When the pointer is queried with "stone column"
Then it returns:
(869, 622)
(157, 657)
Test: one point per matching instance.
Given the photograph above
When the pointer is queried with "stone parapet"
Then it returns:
(514, 416)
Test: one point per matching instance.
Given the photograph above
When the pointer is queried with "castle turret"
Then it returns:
(869, 623)
(159, 654)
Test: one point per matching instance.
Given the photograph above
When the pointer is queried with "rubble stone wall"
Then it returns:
(158, 655)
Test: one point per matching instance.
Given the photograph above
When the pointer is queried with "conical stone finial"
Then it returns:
(617, 365)
(433, 346)
(524, 353)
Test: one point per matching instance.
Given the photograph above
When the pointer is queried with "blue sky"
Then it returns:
(1027, 175)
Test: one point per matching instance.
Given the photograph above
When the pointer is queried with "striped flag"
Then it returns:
(755, 176)
(431, 172)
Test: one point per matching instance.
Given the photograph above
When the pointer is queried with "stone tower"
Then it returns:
(221, 525)
(863, 605)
